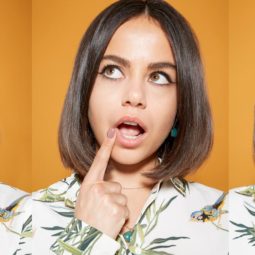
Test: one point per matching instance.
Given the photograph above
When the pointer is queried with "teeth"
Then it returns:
(130, 123)
(130, 136)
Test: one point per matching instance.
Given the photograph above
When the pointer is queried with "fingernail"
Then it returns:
(111, 132)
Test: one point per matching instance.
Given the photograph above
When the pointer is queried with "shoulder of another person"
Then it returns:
(248, 190)
(9, 193)
(243, 194)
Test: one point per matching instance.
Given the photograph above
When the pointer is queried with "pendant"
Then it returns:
(127, 235)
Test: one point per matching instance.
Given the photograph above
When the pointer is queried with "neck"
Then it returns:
(129, 176)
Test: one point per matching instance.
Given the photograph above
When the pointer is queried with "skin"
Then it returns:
(136, 91)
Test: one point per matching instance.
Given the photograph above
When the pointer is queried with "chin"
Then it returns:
(128, 157)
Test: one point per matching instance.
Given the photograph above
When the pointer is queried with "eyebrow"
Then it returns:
(151, 66)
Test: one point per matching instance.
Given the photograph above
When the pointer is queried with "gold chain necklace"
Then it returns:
(134, 188)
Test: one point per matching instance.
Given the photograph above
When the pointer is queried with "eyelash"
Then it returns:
(115, 66)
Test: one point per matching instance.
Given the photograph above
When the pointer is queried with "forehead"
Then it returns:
(140, 38)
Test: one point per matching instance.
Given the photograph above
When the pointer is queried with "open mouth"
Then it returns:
(130, 130)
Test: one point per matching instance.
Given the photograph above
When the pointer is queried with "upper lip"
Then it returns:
(133, 119)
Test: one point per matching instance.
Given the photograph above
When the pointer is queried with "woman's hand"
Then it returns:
(100, 203)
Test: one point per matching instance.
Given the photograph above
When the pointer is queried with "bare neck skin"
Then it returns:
(130, 175)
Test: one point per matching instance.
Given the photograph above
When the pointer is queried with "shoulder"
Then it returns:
(207, 193)
(206, 196)
(61, 194)
(61, 187)
(194, 191)
(199, 189)
(9, 193)
(196, 198)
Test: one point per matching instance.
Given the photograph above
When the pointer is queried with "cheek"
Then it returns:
(96, 102)
(102, 97)
(99, 109)
(165, 112)
(94, 110)
(165, 122)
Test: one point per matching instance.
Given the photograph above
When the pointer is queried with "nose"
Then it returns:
(134, 95)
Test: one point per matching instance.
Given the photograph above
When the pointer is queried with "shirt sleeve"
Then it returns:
(81, 238)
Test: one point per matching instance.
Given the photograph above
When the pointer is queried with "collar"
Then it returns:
(180, 184)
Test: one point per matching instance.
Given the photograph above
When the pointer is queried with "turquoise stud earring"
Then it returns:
(174, 132)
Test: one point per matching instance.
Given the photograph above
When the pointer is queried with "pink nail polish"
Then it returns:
(111, 132)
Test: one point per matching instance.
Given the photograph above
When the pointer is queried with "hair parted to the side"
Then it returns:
(180, 155)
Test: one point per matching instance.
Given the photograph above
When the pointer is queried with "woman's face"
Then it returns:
(135, 85)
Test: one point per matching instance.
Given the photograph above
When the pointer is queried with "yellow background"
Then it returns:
(29, 116)
(241, 91)
(15, 93)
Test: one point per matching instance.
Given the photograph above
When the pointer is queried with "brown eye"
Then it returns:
(111, 72)
(160, 78)
(155, 76)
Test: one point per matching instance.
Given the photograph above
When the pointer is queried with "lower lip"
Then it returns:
(129, 143)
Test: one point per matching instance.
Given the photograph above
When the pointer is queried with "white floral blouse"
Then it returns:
(15, 221)
(179, 217)
(242, 220)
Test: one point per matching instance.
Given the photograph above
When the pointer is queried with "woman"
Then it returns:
(138, 77)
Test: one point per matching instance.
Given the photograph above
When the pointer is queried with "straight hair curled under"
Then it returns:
(180, 155)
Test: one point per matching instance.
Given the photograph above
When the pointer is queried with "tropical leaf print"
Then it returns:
(137, 244)
(26, 232)
(48, 195)
(23, 234)
(147, 237)
(76, 239)
(249, 191)
(181, 185)
(53, 195)
(246, 231)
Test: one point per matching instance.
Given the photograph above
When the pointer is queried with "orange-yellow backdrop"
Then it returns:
(15, 93)
(57, 27)
(241, 91)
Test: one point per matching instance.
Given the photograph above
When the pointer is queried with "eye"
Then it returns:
(111, 72)
(161, 77)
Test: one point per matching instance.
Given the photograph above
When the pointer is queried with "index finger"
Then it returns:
(97, 170)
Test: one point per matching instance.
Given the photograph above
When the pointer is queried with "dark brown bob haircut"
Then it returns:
(180, 155)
